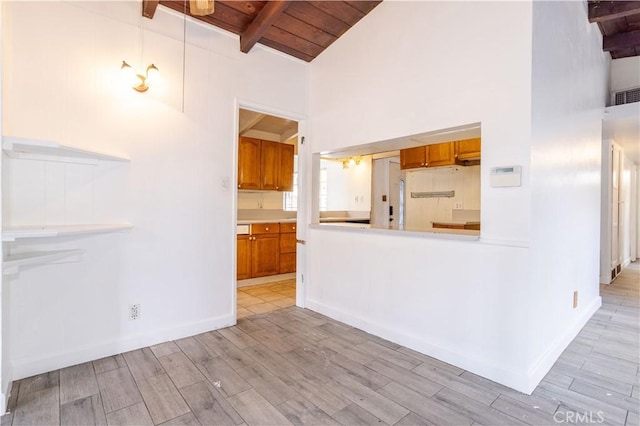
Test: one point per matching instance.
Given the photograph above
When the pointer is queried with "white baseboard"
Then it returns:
(27, 367)
(522, 381)
(546, 360)
(483, 367)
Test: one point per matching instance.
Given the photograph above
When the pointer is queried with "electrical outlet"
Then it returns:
(575, 299)
(458, 205)
(134, 312)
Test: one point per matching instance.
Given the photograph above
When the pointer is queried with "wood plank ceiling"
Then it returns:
(302, 29)
(619, 22)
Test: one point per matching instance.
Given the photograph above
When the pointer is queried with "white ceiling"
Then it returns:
(467, 131)
(258, 122)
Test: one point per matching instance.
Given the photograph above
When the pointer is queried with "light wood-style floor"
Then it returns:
(294, 366)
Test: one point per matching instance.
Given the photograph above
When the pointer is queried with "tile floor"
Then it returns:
(263, 298)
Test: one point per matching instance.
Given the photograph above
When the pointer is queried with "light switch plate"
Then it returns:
(224, 183)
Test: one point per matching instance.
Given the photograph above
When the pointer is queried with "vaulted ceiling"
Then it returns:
(298, 28)
(619, 22)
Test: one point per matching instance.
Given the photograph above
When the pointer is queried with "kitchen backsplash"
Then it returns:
(465, 181)
(266, 200)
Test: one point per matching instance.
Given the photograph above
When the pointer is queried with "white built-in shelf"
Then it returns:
(34, 149)
(14, 233)
(631, 110)
(13, 263)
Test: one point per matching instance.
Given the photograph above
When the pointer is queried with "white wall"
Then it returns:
(625, 209)
(435, 65)
(61, 65)
(570, 75)
(5, 373)
(625, 73)
(348, 189)
(421, 212)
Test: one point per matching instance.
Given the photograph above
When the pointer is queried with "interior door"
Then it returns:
(615, 208)
(304, 179)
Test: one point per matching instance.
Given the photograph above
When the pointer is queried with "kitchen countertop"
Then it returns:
(350, 219)
(452, 234)
(456, 222)
(252, 221)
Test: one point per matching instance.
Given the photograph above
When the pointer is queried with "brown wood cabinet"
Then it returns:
(285, 177)
(446, 225)
(259, 253)
(288, 247)
(468, 149)
(244, 257)
(441, 154)
(265, 165)
(265, 249)
(270, 249)
(412, 158)
(249, 150)
(269, 166)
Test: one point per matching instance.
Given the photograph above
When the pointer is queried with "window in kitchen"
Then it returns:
(290, 199)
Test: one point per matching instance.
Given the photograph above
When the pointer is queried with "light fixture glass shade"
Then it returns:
(153, 75)
(128, 75)
(139, 82)
(201, 7)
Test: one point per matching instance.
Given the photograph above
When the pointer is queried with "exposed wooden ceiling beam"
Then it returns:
(600, 11)
(265, 18)
(149, 8)
(288, 133)
(246, 126)
(621, 41)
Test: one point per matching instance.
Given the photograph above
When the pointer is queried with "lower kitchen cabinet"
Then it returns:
(287, 263)
(288, 247)
(266, 255)
(244, 257)
(259, 253)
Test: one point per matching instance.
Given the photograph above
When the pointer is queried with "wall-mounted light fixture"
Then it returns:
(351, 162)
(139, 82)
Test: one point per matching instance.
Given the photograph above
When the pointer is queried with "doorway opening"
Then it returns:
(267, 249)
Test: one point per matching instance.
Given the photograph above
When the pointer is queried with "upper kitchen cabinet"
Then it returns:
(413, 158)
(285, 177)
(270, 166)
(468, 149)
(249, 159)
(265, 165)
(441, 154)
